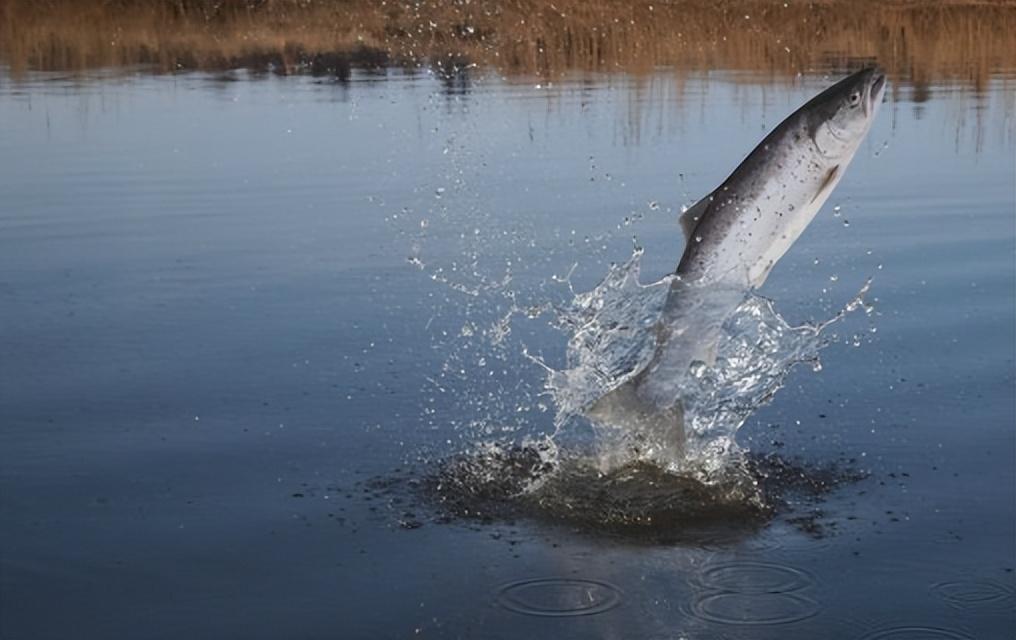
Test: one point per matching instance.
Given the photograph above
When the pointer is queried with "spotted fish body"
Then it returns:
(735, 236)
(739, 231)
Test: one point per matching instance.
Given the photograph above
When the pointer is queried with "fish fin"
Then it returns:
(690, 218)
(710, 355)
(828, 183)
(756, 278)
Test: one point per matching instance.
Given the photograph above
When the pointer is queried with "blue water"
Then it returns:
(225, 306)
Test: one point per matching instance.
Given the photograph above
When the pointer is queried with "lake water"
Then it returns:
(242, 316)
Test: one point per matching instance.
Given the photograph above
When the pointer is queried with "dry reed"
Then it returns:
(916, 42)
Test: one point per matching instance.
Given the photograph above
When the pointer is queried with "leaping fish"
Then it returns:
(735, 235)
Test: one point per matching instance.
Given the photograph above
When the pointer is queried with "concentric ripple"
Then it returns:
(753, 593)
(754, 608)
(755, 578)
(559, 597)
(971, 594)
(916, 633)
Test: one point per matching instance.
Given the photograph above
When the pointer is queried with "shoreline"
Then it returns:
(918, 44)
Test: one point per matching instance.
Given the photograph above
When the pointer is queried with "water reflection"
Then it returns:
(642, 54)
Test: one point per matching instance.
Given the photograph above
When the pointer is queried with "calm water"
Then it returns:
(230, 304)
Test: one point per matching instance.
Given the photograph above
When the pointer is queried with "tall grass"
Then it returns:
(918, 43)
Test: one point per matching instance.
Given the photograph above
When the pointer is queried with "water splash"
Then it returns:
(664, 373)
(668, 372)
(690, 360)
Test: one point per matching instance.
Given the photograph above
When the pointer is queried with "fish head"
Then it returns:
(840, 117)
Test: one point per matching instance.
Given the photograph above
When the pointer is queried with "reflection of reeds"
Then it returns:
(917, 42)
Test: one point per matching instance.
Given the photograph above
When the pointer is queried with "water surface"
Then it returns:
(231, 304)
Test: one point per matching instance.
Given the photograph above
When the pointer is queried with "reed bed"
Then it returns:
(918, 43)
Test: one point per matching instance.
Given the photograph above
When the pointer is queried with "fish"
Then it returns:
(735, 235)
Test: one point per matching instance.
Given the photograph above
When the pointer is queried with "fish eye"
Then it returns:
(855, 97)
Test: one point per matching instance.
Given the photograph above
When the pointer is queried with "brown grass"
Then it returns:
(918, 43)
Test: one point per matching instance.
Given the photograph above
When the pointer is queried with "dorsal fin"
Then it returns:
(690, 218)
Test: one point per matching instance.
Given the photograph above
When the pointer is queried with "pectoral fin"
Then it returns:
(828, 184)
(758, 273)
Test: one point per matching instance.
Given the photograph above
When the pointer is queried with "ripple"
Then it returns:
(760, 544)
(680, 635)
(754, 608)
(969, 594)
(747, 578)
(780, 537)
(559, 597)
(916, 633)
